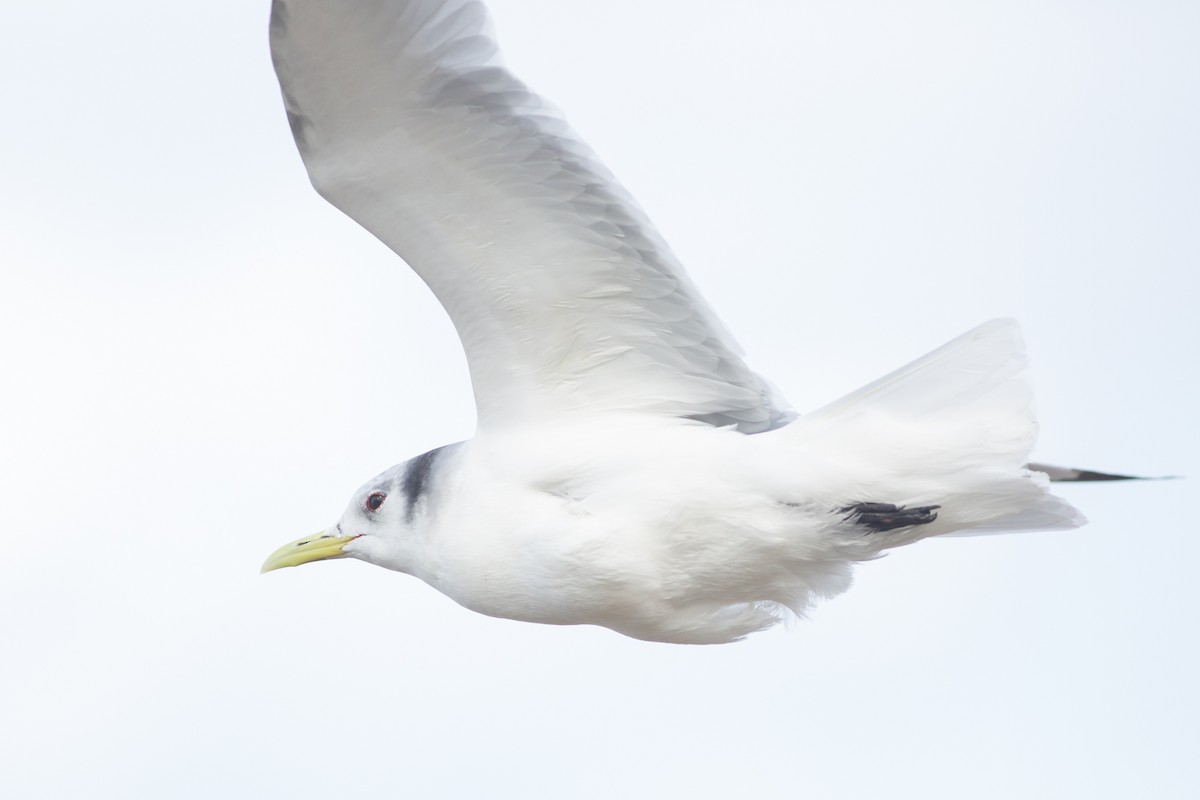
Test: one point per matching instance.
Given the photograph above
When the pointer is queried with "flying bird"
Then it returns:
(629, 469)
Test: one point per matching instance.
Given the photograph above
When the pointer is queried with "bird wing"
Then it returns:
(565, 297)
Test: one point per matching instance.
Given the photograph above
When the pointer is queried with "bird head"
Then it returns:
(377, 526)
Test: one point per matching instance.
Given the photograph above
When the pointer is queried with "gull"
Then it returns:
(629, 470)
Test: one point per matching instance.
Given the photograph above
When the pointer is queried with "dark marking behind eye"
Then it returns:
(416, 480)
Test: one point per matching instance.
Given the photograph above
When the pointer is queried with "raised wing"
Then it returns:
(565, 297)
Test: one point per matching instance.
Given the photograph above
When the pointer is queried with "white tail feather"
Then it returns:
(955, 429)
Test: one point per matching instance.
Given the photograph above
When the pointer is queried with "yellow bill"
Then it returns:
(317, 547)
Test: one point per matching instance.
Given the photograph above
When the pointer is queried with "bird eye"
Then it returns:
(375, 500)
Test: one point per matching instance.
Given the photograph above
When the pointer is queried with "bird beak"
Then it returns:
(317, 547)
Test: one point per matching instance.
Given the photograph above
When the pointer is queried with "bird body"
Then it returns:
(675, 530)
(629, 469)
(672, 532)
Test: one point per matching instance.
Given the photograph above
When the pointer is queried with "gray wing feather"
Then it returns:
(565, 297)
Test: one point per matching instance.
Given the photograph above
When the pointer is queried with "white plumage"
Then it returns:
(629, 469)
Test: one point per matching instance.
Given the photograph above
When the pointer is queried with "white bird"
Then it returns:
(629, 470)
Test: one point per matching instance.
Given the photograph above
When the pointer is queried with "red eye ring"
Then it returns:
(375, 500)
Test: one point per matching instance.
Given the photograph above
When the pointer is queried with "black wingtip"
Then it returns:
(886, 516)
(1073, 475)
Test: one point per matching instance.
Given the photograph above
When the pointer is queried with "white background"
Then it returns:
(201, 360)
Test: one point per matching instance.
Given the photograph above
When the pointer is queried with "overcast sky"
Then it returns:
(202, 360)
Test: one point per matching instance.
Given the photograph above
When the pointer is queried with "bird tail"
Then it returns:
(954, 430)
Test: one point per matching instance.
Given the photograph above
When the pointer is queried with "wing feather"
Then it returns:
(565, 297)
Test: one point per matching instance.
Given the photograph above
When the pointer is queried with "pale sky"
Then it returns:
(203, 360)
